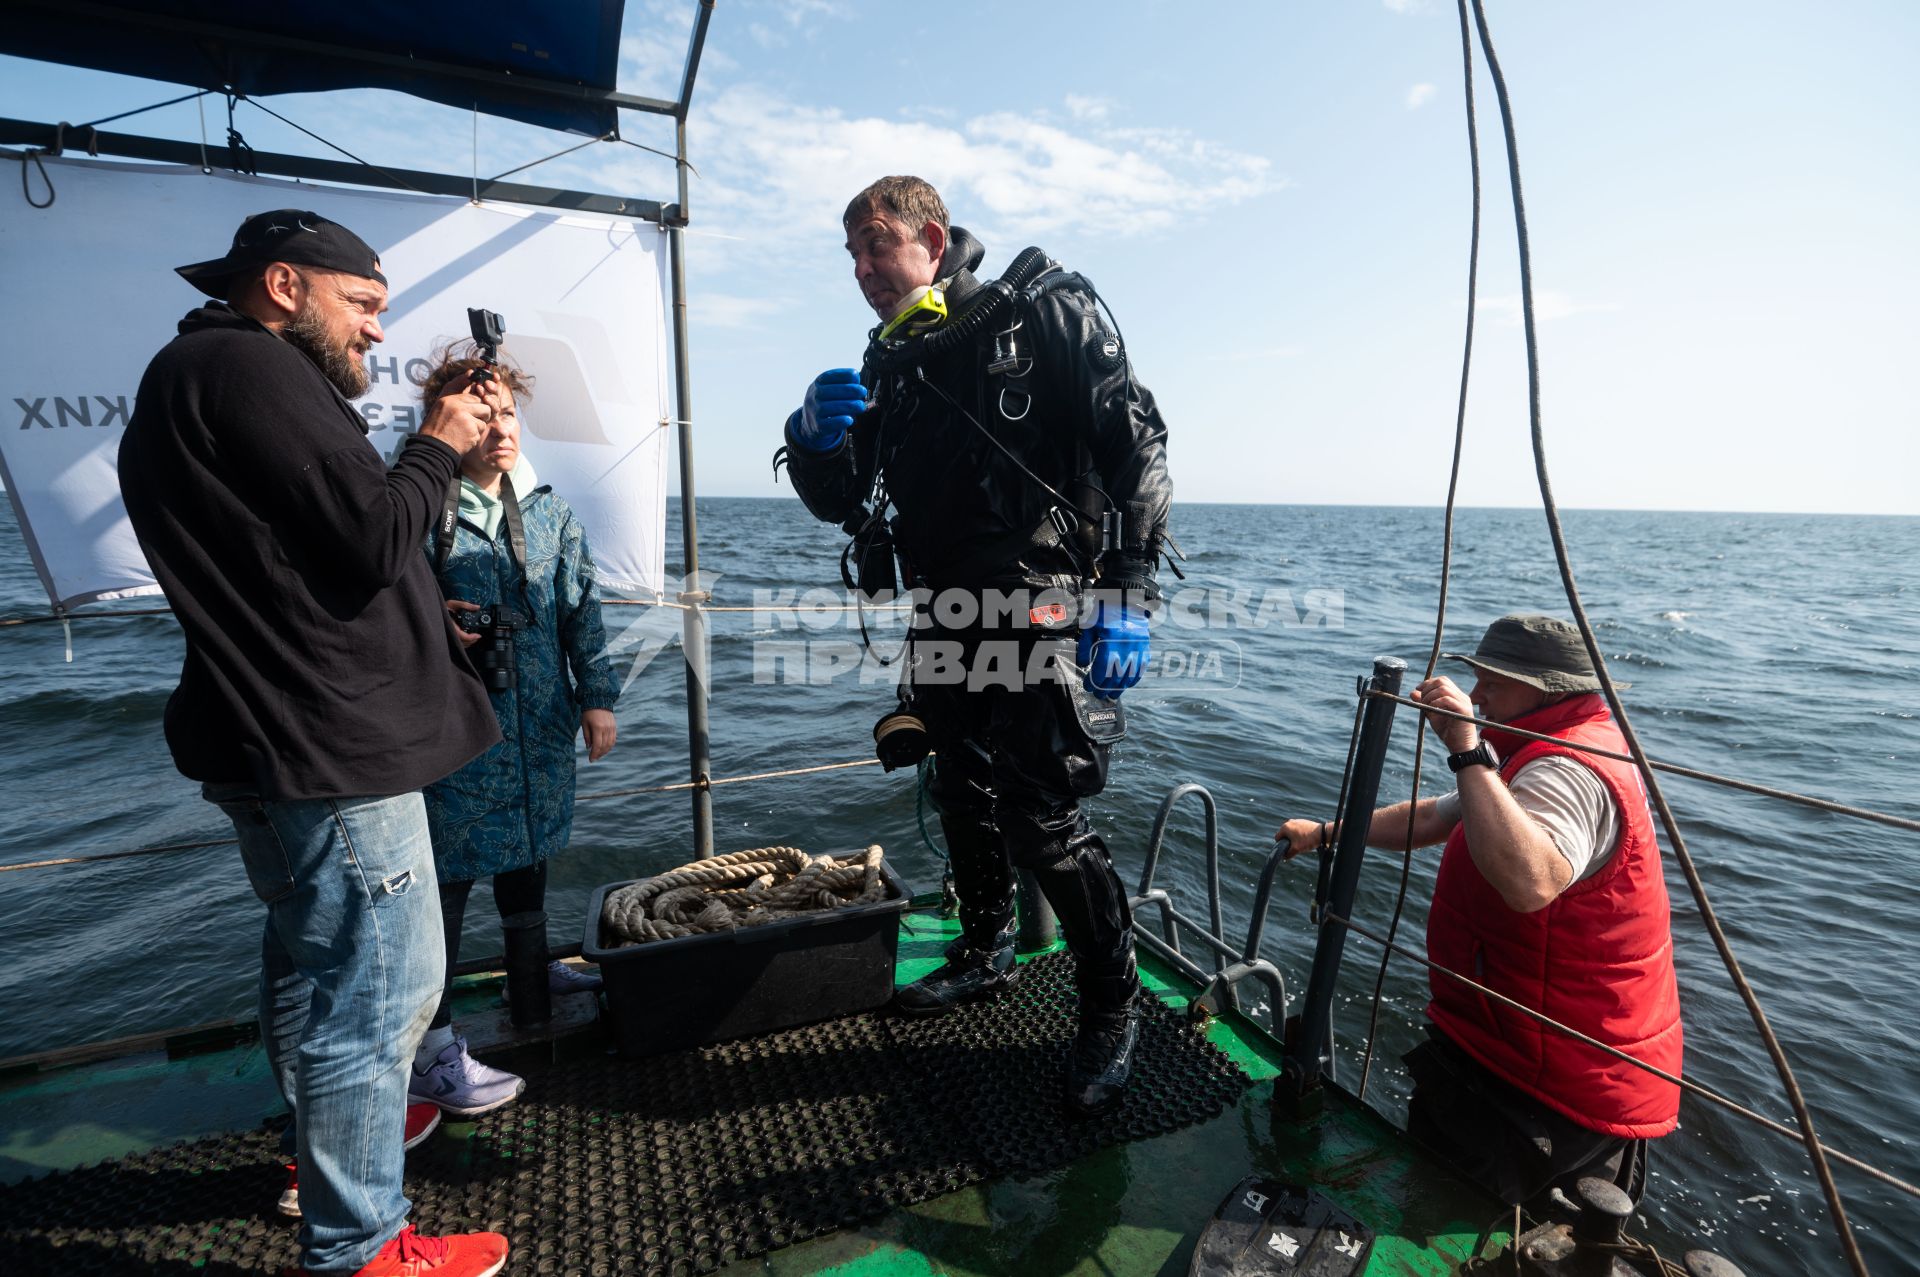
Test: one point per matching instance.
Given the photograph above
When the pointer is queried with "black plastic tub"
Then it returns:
(665, 995)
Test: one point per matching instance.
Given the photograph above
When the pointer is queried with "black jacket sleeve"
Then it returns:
(1121, 425)
(304, 457)
(833, 485)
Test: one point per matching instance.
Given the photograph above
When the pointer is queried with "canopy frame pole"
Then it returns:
(693, 632)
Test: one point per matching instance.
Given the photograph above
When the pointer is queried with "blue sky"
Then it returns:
(1273, 199)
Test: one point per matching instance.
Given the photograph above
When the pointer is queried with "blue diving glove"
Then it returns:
(834, 399)
(1114, 648)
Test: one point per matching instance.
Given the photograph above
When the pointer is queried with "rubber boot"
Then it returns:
(975, 972)
(1102, 1057)
(980, 962)
(1078, 878)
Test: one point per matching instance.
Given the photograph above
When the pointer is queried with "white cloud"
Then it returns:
(1088, 108)
(1405, 6)
(798, 12)
(1547, 305)
(652, 64)
(1418, 96)
(773, 166)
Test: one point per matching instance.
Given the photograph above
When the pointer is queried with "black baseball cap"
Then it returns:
(299, 237)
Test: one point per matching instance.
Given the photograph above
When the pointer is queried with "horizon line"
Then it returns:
(1378, 505)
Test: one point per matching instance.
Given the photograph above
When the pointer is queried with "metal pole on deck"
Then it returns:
(694, 595)
(1310, 1039)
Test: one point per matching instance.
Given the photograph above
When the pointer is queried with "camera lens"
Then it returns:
(493, 654)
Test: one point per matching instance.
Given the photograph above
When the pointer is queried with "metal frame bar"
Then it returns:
(44, 137)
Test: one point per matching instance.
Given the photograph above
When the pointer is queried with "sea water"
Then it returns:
(1782, 649)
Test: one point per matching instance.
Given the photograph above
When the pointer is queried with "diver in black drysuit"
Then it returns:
(1014, 762)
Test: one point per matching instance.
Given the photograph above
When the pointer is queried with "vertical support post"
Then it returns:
(693, 632)
(1310, 1040)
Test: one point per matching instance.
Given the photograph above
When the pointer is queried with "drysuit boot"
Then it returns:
(1102, 1057)
(981, 964)
(973, 973)
(1071, 864)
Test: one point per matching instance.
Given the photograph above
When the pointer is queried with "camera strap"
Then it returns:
(509, 514)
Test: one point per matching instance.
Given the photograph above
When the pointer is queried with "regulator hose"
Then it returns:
(999, 294)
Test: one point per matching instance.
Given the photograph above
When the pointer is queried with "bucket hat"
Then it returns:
(1540, 651)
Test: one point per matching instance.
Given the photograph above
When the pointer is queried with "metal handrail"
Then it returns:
(1220, 987)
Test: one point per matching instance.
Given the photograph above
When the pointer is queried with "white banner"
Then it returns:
(92, 295)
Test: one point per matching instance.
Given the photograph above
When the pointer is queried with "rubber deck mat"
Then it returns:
(671, 1165)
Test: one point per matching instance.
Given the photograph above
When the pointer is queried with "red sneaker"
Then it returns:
(422, 1121)
(460, 1255)
(289, 1204)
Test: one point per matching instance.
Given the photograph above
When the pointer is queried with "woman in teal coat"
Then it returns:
(508, 811)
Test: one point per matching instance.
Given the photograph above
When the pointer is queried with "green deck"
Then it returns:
(1128, 1209)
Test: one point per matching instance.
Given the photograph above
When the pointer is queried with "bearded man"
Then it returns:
(323, 686)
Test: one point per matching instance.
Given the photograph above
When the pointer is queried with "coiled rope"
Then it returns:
(744, 889)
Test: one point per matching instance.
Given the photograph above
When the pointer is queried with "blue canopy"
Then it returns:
(544, 62)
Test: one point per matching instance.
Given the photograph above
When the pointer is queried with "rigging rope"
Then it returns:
(142, 110)
(707, 783)
(394, 177)
(1848, 1244)
(604, 137)
(1446, 540)
(1730, 782)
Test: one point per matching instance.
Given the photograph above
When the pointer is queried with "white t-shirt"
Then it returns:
(1570, 803)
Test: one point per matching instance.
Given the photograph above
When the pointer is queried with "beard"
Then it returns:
(307, 332)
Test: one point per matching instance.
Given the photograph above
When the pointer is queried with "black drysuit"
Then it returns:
(1014, 759)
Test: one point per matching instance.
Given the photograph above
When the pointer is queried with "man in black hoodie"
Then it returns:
(323, 687)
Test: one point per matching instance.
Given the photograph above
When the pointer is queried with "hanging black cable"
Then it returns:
(1822, 1170)
(1446, 541)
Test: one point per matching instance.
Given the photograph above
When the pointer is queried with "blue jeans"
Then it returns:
(351, 965)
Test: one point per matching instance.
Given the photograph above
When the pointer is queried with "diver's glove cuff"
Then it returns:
(797, 442)
(1128, 576)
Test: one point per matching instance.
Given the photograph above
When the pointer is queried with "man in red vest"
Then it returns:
(1550, 894)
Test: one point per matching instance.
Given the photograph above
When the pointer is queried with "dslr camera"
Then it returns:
(493, 654)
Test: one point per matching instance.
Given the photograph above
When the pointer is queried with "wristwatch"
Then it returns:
(1480, 755)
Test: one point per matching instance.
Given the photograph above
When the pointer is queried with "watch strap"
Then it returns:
(1480, 755)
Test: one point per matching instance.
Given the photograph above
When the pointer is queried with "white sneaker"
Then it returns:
(563, 980)
(461, 1085)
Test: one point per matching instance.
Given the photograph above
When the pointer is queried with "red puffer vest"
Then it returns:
(1598, 959)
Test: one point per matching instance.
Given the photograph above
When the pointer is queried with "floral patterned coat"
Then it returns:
(513, 805)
